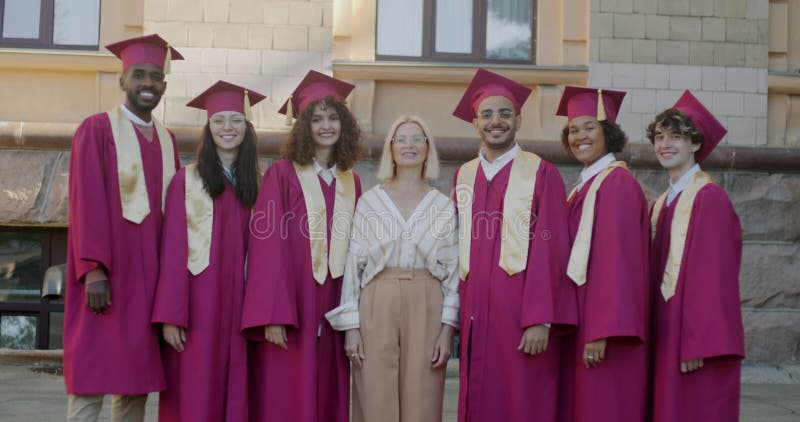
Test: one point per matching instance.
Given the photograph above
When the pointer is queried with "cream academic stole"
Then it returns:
(517, 204)
(343, 207)
(132, 186)
(579, 257)
(199, 220)
(678, 230)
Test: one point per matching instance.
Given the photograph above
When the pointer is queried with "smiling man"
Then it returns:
(695, 257)
(120, 165)
(513, 250)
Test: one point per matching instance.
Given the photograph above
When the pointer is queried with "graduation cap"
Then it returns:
(313, 87)
(602, 104)
(489, 84)
(225, 96)
(704, 121)
(147, 49)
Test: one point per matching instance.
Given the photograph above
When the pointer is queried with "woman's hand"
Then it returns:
(594, 352)
(174, 336)
(441, 349)
(276, 334)
(354, 347)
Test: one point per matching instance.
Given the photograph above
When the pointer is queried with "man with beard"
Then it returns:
(120, 166)
(513, 251)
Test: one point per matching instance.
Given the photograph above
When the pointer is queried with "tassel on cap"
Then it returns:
(248, 112)
(168, 61)
(601, 109)
(289, 111)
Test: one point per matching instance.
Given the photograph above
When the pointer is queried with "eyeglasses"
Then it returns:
(503, 113)
(235, 120)
(416, 139)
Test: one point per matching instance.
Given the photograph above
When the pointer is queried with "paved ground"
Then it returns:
(769, 393)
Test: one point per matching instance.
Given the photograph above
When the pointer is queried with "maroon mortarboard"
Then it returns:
(225, 96)
(146, 49)
(704, 121)
(602, 104)
(313, 87)
(489, 84)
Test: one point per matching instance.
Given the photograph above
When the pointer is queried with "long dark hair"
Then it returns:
(247, 175)
(299, 146)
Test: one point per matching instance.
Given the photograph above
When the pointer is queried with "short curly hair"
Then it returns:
(615, 137)
(675, 120)
(299, 146)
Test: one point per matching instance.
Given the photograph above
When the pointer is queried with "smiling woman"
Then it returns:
(298, 240)
(204, 244)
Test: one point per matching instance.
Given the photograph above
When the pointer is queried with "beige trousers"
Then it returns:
(400, 316)
(86, 408)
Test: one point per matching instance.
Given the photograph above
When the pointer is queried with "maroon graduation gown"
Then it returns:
(308, 382)
(614, 303)
(208, 380)
(116, 352)
(497, 381)
(703, 320)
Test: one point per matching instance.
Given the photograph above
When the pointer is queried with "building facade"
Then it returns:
(741, 57)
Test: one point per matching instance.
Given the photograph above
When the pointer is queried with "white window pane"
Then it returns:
(454, 26)
(399, 28)
(21, 18)
(508, 30)
(76, 22)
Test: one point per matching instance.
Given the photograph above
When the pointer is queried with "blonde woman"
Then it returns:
(399, 305)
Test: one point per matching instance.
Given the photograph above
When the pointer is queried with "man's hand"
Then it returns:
(98, 295)
(441, 350)
(594, 352)
(276, 334)
(534, 339)
(354, 347)
(174, 336)
(691, 366)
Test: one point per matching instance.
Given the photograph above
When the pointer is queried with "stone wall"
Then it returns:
(264, 45)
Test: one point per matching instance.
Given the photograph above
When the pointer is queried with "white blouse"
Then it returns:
(382, 238)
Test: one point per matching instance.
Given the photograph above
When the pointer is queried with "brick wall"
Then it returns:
(265, 45)
(655, 49)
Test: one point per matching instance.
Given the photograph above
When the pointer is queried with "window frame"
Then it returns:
(478, 55)
(46, 28)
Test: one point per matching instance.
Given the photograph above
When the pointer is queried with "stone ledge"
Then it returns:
(457, 72)
(57, 136)
(81, 61)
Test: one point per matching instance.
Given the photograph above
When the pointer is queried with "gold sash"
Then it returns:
(579, 257)
(132, 187)
(678, 230)
(516, 212)
(199, 221)
(344, 205)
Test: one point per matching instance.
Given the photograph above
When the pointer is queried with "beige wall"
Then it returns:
(740, 57)
(66, 86)
(264, 45)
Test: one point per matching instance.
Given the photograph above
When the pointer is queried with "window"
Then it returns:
(62, 24)
(456, 30)
(27, 320)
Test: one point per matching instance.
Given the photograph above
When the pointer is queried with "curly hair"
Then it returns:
(615, 137)
(674, 120)
(299, 146)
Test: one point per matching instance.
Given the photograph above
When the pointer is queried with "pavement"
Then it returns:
(32, 390)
